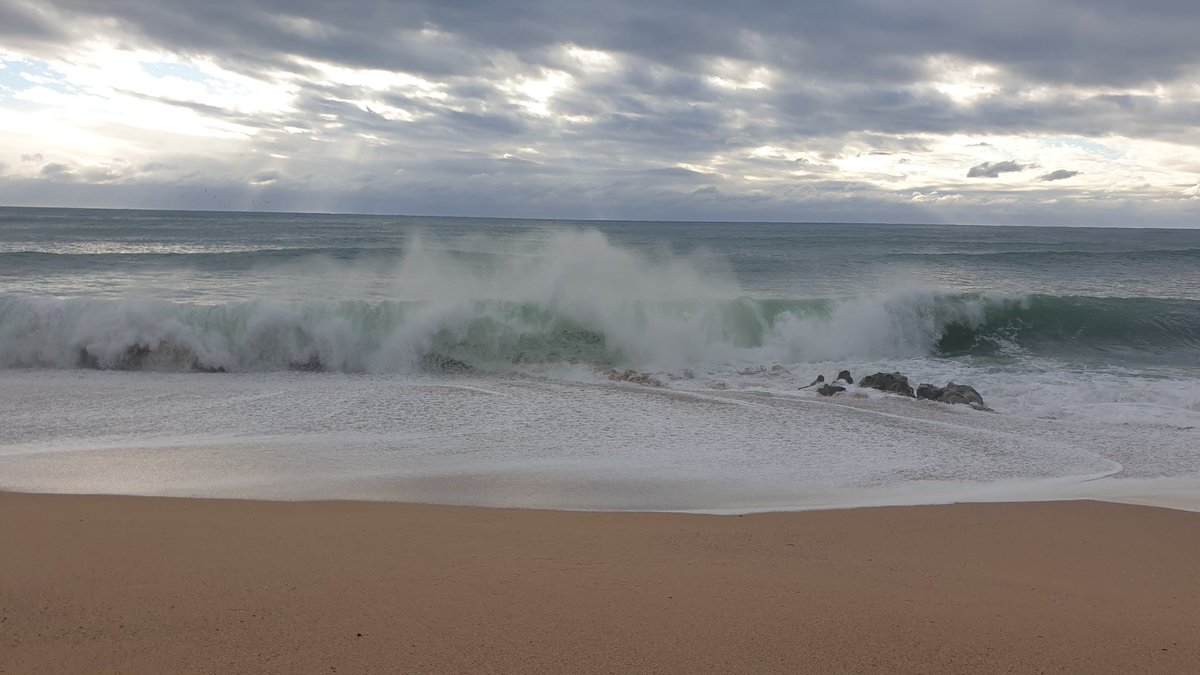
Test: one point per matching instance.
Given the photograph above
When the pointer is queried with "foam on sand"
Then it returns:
(552, 444)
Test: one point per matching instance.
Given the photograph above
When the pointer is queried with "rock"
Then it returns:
(312, 365)
(88, 360)
(893, 382)
(198, 367)
(844, 376)
(929, 392)
(132, 357)
(829, 389)
(630, 375)
(961, 393)
(440, 363)
(953, 393)
(819, 380)
(137, 356)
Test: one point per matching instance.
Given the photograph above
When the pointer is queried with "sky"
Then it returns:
(1018, 112)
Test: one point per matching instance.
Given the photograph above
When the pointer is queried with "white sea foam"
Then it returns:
(539, 443)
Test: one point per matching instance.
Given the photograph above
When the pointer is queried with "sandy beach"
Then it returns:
(152, 585)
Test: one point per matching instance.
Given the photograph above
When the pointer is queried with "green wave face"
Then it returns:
(1078, 325)
(361, 336)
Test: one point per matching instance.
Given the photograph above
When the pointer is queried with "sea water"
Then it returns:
(604, 365)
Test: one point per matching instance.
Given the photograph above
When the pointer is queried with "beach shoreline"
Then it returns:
(149, 584)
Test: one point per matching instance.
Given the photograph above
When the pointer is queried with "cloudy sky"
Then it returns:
(1021, 111)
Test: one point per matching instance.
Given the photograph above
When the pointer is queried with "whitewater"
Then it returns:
(650, 366)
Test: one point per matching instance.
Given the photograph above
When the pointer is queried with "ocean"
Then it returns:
(593, 365)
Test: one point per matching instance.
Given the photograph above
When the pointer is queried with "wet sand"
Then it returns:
(152, 585)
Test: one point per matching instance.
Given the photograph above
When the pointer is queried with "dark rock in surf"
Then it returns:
(929, 392)
(198, 367)
(88, 360)
(312, 365)
(962, 393)
(440, 363)
(893, 382)
(819, 380)
(164, 356)
(829, 389)
(953, 393)
(630, 375)
(132, 357)
(844, 376)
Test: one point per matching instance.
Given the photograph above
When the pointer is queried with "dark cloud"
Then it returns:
(994, 169)
(847, 66)
(1058, 174)
(1091, 41)
(28, 23)
(56, 170)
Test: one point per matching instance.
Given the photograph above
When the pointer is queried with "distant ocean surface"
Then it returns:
(473, 361)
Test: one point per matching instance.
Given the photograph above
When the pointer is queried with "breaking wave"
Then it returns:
(592, 328)
(562, 297)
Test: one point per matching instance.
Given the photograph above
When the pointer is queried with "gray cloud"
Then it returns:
(854, 78)
(28, 22)
(1096, 41)
(100, 174)
(994, 169)
(56, 170)
(1058, 174)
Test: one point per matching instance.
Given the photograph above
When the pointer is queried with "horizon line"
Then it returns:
(594, 220)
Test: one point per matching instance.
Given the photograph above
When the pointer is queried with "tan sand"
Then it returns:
(137, 585)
